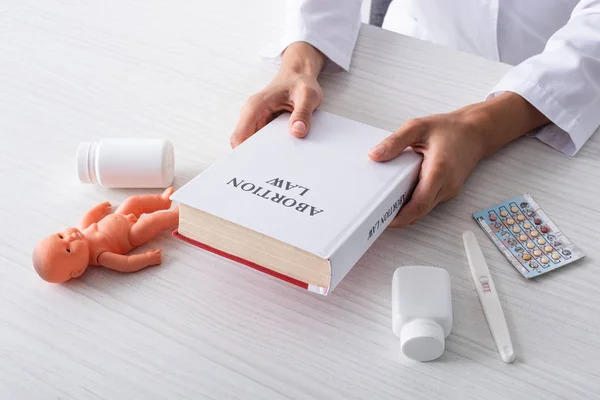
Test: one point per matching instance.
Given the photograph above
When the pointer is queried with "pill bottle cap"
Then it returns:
(422, 340)
(85, 154)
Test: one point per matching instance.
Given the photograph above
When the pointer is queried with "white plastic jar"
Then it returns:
(127, 163)
(421, 311)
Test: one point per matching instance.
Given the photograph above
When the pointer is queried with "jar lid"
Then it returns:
(422, 340)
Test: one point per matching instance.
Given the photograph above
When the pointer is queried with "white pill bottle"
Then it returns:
(421, 311)
(127, 163)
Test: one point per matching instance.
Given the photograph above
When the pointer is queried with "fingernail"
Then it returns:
(299, 127)
(377, 151)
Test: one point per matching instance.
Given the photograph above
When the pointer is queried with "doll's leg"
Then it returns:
(146, 203)
(151, 225)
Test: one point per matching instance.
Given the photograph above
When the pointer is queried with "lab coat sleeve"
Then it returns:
(331, 26)
(563, 82)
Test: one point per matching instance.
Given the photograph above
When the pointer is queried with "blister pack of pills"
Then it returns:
(527, 236)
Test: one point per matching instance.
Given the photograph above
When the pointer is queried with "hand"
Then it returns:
(154, 257)
(106, 208)
(451, 148)
(453, 144)
(295, 89)
(95, 214)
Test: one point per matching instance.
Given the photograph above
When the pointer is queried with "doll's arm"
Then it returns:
(131, 263)
(95, 214)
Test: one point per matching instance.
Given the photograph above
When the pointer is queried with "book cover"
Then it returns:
(320, 194)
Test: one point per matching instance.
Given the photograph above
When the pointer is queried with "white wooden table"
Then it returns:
(203, 327)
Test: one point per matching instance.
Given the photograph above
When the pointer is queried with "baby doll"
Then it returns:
(105, 238)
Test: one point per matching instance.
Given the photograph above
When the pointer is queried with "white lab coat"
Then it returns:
(554, 46)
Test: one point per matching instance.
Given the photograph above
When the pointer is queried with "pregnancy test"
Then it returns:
(488, 297)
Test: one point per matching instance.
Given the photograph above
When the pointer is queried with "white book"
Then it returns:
(303, 210)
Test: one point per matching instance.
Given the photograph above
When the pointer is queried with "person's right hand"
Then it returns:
(295, 89)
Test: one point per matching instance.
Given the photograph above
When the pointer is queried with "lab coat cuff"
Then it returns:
(336, 61)
(566, 133)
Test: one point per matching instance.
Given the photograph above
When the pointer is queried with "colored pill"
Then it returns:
(535, 233)
(544, 260)
(514, 209)
(527, 225)
(493, 217)
(548, 249)
(503, 213)
(520, 217)
(516, 229)
(526, 257)
(541, 241)
(510, 221)
(537, 253)
(555, 256)
(523, 238)
(545, 229)
(537, 221)
(530, 245)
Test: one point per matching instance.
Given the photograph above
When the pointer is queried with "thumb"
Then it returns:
(408, 134)
(305, 101)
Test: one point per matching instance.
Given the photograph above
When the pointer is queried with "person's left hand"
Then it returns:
(451, 148)
(452, 145)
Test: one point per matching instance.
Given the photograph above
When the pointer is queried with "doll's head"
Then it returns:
(61, 256)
